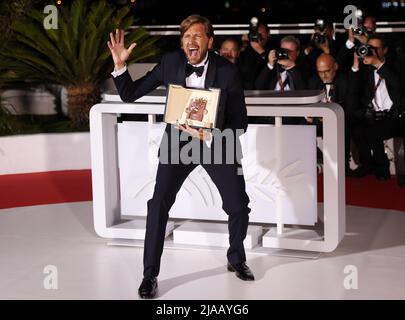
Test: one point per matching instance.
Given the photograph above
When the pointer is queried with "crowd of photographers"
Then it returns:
(363, 71)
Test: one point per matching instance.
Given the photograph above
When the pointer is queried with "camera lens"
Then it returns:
(281, 54)
(363, 50)
(358, 31)
(254, 30)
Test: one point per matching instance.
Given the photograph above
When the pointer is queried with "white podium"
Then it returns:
(282, 190)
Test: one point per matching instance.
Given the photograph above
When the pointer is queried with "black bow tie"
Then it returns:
(190, 69)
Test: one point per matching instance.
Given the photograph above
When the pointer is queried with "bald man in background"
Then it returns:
(339, 87)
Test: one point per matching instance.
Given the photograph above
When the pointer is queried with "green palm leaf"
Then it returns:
(77, 51)
(75, 55)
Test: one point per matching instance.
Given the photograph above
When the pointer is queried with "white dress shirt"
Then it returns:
(198, 82)
(283, 76)
(328, 96)
(382, 100)
(119, 72)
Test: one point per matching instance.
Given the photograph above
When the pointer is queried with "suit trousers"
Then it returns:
(169, 180)
(369, 138)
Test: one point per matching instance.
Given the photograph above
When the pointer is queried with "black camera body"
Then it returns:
(282, 54)
(320, 25)
(381, 115)
(320, 33)
(254, 35)
(372, 116)
(359, 31)
(364, 50)
(319, 39)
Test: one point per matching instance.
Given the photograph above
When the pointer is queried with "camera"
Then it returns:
(364, 50)
(320, 30)
(320, 25)
(359, 31)
(282, 54)
(254, 30)
(319, 39)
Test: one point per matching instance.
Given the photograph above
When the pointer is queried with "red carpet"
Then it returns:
(372, 193)
(19, 190)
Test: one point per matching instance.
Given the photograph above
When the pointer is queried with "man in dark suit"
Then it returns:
(282, 74)
(323, 40)
(339, 87)
(253, 56)
(230, 49)
(381, 101)
(194, 66)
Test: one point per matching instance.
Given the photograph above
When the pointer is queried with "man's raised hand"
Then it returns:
(117, 48)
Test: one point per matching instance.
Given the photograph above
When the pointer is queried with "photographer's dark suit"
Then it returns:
(334, 46)
(374, 128)
(268, 80)
(345, 93)
(170, 177)
(250, 64)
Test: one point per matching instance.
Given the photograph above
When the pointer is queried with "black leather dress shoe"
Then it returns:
(383, 176)
(350, 173)
(362, 171)
(242, 271)
(148, 288)
(401, 180)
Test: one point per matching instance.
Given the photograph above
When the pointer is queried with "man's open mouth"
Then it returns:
(193, 52)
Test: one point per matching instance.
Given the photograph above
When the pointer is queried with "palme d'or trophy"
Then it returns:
(196, 110)
(194, 107)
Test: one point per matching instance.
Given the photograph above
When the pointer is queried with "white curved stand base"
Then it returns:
(106, 182)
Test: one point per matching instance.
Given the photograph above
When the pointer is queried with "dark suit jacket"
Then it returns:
(250, 64)
(393, 84)
(345, 93)
(267, 79)
(334, 47)
(171, 70)
(344, 57)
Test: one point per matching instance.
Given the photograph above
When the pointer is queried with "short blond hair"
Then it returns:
(193, 19)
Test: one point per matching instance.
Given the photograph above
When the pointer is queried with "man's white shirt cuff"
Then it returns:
(119, 72)
(208, 142)
(349, 44)
(270, 66)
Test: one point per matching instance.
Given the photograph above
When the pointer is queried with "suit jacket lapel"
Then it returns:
(290, 80)
(212, 69)
(371, 82)
(181, 72)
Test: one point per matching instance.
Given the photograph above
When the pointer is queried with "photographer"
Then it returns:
(253, 56)
(339, 87)
(381, 102)
(230, 50)
(370, 25)
(356, 36)
(281, 72)
(323, 41)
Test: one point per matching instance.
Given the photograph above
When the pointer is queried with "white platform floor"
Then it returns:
(62, 235)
